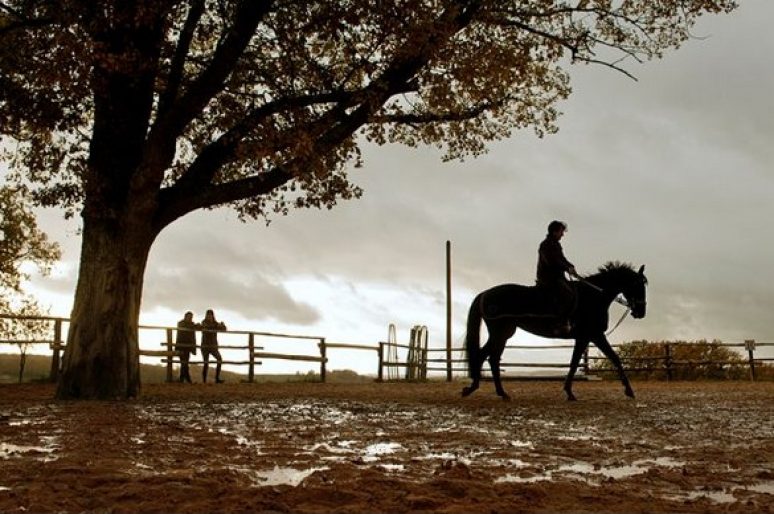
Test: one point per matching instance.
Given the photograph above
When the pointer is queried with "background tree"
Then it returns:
(21, 242)
(692, 360)
(136, 113)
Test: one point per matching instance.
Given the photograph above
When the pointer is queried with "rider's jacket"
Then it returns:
(552, 263)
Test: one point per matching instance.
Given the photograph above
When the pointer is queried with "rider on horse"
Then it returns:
(551, 268)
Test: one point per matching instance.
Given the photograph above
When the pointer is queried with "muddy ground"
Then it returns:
(397, 447)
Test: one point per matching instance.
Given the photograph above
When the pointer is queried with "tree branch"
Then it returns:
(194, 190)
(210, 81)
(181, 52)
(430, 117)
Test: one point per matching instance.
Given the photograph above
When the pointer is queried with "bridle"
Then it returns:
(630, 305)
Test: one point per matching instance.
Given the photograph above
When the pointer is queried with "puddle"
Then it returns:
(340, 448)
(586, 469)
(280, 476)
(382, 449)
(392, 467)
(714, 496)
(762, 487)
(8, 451)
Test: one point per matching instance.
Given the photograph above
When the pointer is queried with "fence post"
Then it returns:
(53, 374)
(448, 313)
(380, 370)
(251, 350)
(169, 355)
(322, 359)
(586, 361)
(668, 360)
(749, 345)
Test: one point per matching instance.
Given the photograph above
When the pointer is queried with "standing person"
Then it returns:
(210, 327)
(185, 344)
(551, 268)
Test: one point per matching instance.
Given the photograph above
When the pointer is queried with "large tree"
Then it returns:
(137, 112)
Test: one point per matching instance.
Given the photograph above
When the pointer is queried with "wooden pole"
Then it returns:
(448, 314)
(380, 371)
(322, 359)
(750, 346)
(170, 358)
(53, 374)
(251, 351)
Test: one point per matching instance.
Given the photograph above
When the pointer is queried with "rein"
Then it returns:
(628, 309)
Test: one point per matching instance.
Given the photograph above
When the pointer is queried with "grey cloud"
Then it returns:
(251, 295)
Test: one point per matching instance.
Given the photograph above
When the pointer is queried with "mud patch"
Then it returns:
(680, 447)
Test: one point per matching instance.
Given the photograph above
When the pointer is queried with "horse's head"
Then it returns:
(634, 292)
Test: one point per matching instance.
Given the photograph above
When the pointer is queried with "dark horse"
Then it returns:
(506, 307)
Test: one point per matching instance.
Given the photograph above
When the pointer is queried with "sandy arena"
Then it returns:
(397, 447)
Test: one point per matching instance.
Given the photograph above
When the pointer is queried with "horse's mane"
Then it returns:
(614, 270)
(616, 267)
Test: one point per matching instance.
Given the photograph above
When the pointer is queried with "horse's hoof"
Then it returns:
(467, 391)
(571, 398)
(505, 397)
(629, 393)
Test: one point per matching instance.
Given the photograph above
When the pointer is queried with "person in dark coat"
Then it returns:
(185, 344)
(551, 268)
(210, 327)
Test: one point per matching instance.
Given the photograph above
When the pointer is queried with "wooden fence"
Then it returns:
(419, 361)
(254, 355)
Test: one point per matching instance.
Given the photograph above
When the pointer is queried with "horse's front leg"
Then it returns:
(604, 346)
(577, 353)
(494, 363)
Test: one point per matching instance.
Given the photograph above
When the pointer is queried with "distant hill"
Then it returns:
(38, 366)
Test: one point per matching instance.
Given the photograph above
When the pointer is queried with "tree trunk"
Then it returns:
(101, 359)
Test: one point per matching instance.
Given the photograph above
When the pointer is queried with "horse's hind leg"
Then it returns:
(475, 370)
(577, 353)
(496, 346)
(604, 346)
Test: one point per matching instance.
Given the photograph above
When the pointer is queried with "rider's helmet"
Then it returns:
(556, 225)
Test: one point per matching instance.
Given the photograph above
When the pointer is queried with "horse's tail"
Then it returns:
(473, 336)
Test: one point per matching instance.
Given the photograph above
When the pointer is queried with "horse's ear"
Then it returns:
(642, 270)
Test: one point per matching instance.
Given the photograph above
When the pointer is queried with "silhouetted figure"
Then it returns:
(551, 268)
(209, 327)
(185, 344)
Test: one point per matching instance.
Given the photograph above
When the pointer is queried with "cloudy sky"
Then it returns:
(673, 171)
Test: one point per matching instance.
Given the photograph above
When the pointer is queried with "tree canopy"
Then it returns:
(257, 104)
